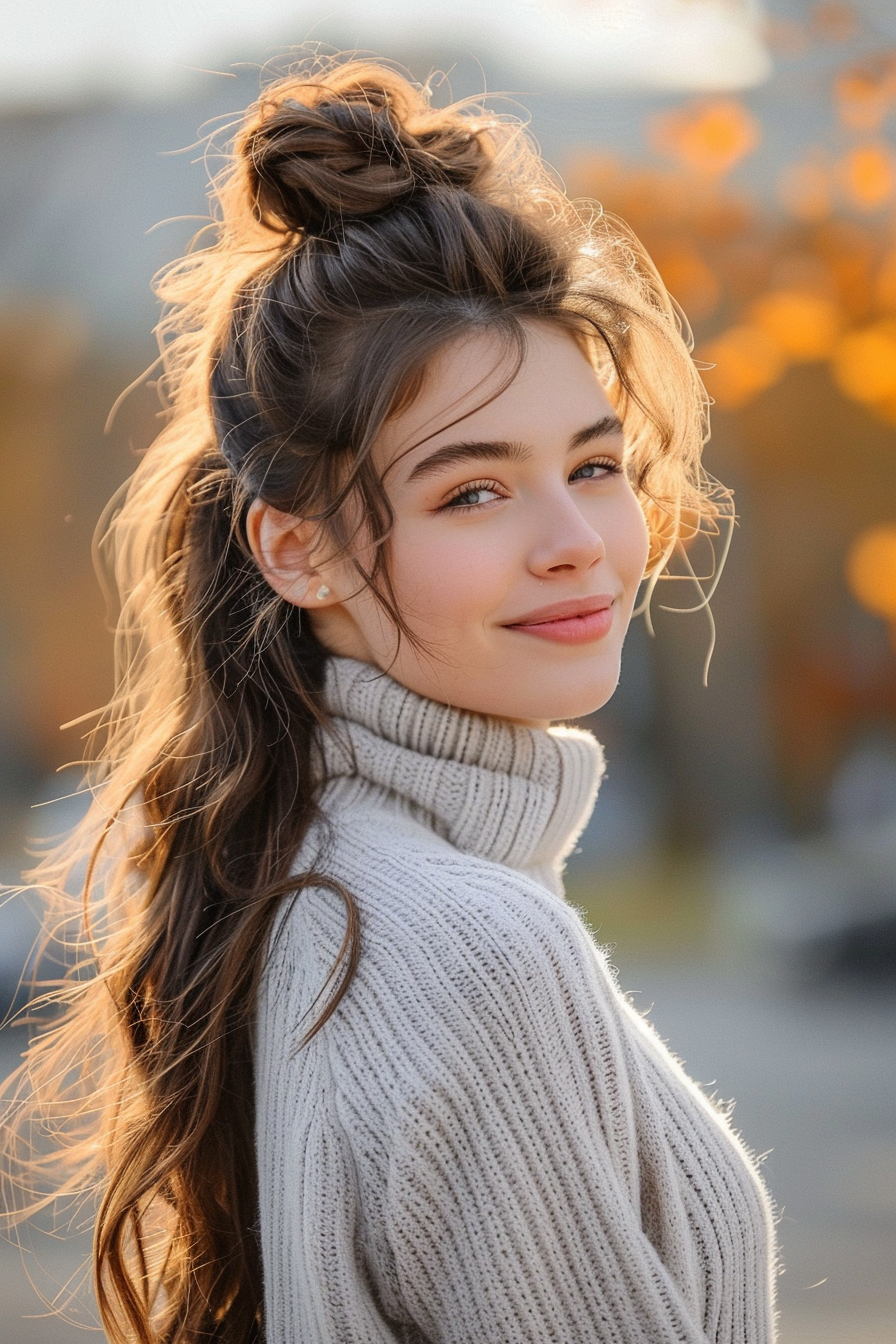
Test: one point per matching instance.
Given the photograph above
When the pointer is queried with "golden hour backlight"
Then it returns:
(689, 278)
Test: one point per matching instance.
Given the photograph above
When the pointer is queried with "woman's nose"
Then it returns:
(566, 540)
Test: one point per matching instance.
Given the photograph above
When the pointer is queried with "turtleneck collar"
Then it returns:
(494, 789)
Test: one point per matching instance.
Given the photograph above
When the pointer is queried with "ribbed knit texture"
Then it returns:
(485, 1144)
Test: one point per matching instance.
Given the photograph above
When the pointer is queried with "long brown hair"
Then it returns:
(357, 229)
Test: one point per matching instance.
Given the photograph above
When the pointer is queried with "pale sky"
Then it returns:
(56, 49)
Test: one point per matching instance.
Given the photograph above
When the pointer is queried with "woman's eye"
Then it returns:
(473, 495)
(592, 471)
(484, 492)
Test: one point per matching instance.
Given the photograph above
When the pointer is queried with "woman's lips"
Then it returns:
(569, 622)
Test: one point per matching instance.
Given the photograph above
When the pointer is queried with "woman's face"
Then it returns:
(518, 543)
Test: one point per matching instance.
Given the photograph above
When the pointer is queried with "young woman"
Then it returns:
(350, 1068)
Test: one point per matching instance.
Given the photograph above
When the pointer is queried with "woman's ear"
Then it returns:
(282, 545)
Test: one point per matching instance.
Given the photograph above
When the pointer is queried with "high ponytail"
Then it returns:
(358, 230)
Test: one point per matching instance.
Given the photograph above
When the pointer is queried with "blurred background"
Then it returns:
(742, 857)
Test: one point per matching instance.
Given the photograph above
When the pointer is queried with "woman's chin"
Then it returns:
(536, 695)
(567, 699)
(577, 708)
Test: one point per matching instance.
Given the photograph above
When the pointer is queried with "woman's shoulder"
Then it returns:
(424, 905)
(463, 961)
(399, 869)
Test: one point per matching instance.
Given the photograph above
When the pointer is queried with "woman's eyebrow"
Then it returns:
(505, 450)
(601, 429)
(453, 453)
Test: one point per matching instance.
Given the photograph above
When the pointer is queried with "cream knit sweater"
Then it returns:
(486, 1144)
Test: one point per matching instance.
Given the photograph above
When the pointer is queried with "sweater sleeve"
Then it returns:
(513, 1206)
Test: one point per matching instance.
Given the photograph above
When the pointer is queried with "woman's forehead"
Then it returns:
(483, 384)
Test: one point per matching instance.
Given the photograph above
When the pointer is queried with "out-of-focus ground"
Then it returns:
(814, 1078)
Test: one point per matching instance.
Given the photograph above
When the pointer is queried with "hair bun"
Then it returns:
(351, 145)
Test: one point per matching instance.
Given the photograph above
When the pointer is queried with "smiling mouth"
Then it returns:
(570, 623)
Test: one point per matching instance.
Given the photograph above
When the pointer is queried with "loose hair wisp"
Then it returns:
(357, 231)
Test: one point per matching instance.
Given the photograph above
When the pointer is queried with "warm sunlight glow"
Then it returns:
(864, 363)
(871, 570)
(868, 175)
(805, 326)
(885, 283)
(706, 135)
(747, 360)
(688, 278)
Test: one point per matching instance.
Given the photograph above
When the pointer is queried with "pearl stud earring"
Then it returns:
(322, 593)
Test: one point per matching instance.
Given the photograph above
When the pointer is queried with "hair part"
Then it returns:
(358, 230)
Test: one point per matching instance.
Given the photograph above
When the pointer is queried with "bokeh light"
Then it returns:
(868, 174)
(864, 363)
(748, 360)
(804, 325)
(871, 569)
(707, 135)
(689, 277)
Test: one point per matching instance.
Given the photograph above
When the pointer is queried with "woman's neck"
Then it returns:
(504, 791)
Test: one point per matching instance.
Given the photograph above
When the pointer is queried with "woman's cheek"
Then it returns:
(629, 542)
(457, 577)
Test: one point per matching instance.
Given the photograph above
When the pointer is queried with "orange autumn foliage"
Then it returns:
(817, 285)
(868, 175)
(706, 135)
(864, 363)
(804, 325)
